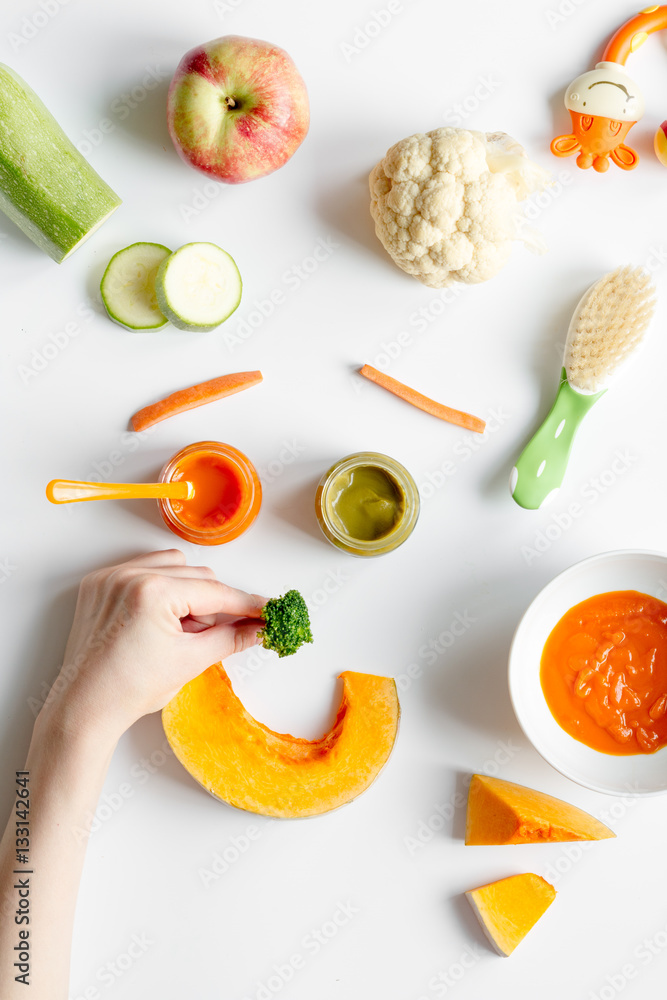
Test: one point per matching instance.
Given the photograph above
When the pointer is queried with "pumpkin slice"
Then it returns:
(246, 764)
(500, 812)
(509, 908)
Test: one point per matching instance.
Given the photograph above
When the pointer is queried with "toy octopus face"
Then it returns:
(596, 139)
(605, 131)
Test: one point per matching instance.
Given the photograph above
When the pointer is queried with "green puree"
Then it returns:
(367, 502)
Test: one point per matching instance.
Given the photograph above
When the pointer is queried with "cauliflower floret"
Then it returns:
(446, 204)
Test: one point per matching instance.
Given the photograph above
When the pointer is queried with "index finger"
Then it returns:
(152, 560)
(211, 597)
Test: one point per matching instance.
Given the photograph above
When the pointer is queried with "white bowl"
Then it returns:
(640, 774)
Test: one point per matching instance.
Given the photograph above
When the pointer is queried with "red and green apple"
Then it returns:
(237, 108)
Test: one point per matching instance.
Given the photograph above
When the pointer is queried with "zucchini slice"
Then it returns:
(198, 287)
(128, 286)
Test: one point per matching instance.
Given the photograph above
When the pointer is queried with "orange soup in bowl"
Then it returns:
(604, 672)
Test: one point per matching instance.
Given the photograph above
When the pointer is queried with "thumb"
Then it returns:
(220, 641)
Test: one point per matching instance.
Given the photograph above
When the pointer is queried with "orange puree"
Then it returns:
(604, 672)
(227, 493)
(218, 491)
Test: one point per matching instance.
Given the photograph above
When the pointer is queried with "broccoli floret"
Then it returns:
(287, 624)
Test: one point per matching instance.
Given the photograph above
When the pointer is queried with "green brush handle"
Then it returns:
(541, 467)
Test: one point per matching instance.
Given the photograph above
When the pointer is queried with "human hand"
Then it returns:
(141, 631)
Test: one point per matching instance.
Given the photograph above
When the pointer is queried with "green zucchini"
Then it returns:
(128, 286)
(46, 186)
(198, 287)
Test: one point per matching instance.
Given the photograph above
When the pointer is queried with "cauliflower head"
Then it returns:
(446, 204)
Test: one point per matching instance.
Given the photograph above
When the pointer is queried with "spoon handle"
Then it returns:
(71, 491)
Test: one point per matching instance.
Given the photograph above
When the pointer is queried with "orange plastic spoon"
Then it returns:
(71, 491)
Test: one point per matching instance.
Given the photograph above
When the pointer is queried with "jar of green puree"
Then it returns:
(367, 504)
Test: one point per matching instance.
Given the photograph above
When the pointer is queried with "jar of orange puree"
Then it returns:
(227, 493)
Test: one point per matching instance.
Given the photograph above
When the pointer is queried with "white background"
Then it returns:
(493, 350)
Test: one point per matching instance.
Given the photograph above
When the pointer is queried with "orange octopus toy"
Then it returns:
(605, 103)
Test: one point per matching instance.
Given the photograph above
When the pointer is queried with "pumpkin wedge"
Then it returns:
(509, 908)
(500, 812)
(242, 762)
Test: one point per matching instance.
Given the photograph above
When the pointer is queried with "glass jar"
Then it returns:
(367, 504)
(227, 493)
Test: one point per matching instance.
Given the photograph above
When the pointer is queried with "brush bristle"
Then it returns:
(609, 325)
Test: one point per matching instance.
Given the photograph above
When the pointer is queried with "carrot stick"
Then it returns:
(195, 395)
(423, 402)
